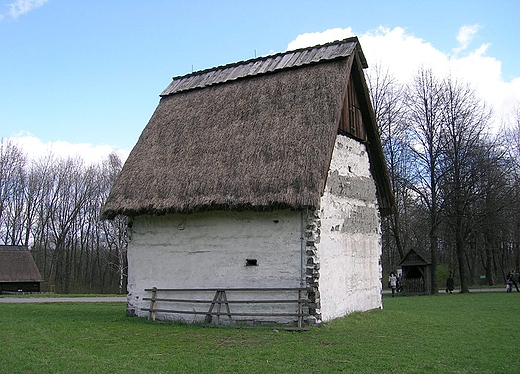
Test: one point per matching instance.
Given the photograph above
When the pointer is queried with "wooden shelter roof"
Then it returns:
(257, 134)
(17, 265)
(416, 257)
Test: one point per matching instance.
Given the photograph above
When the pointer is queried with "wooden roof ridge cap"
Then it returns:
(272, 56)
(353, 39)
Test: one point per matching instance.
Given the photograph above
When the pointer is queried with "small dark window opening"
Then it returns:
(251, 262)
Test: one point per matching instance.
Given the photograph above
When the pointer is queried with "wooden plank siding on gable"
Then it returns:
(351, 121)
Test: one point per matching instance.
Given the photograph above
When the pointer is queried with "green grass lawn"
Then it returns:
(457, 333)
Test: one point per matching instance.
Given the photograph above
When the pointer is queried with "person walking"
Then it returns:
(513, 281)
(450, 284)
(399, 287)
(392, 281)
(509, 284)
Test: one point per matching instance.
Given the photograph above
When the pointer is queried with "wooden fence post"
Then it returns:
(300, 309)
(152, 303)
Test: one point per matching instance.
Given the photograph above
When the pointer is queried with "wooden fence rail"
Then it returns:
(219, 305)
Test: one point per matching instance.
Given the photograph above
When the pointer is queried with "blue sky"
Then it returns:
(90, 72)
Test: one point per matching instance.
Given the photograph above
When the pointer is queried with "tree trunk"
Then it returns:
(459, 246)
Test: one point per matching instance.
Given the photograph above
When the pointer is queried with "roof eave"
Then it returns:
(375, 149)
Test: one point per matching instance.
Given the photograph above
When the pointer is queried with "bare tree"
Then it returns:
(514, 135)
(424, 104)
(487, 194)
(516, 156)
(512, 140)
(12, 179)
(70, 193)
(465, 118)
(115, 231)
(43, 176)
(53, 206)
(388, 101)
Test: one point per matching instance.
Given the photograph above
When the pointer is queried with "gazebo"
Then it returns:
(417, 273)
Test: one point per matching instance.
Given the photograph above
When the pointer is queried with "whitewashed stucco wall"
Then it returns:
(349, 249)
(209, 250)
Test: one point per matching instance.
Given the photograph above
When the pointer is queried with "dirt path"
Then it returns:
(457, 290)
(122, 299)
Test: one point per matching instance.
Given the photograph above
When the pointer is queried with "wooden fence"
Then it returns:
(220, 307)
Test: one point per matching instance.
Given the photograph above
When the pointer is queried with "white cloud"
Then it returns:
(89, 153)
(465, 36)
(403, 54)
(21, 7)
(315, 38)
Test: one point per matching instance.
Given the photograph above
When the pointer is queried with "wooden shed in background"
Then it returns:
(417, 273)
(18, 271)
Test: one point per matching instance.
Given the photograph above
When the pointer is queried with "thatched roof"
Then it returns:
(17, 265)
(255, 135)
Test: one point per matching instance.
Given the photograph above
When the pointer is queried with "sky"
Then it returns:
(84, 77)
